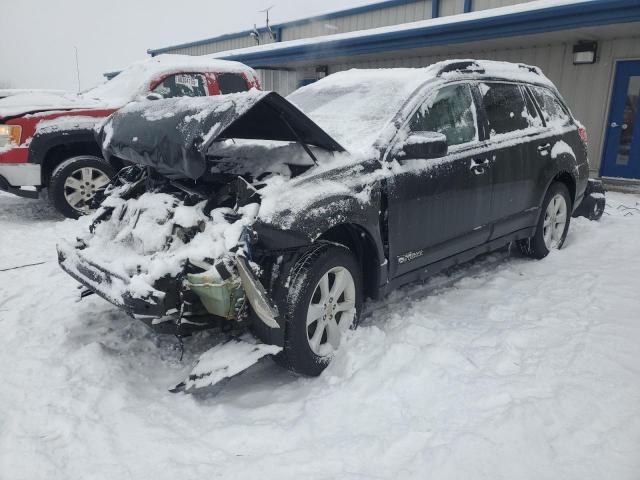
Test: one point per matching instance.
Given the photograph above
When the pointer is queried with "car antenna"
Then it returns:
(299, 139)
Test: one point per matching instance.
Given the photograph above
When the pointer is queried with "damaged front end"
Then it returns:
(172, 241)
(199, 291)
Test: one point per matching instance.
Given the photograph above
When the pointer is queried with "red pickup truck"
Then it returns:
(47, 139)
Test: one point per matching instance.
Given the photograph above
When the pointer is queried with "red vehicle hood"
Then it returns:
(19, 105)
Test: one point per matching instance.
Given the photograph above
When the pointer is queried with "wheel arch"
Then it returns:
(52, 148)
(358, 239)
(568, 180)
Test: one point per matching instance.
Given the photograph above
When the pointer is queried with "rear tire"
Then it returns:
(553, 223)
(322, 303)
(74, 182)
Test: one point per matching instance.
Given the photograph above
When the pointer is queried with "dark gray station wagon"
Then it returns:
(346, 189)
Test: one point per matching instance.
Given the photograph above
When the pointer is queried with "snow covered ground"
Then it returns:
(505, 369)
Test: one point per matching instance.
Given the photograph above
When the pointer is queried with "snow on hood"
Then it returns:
(355, 106)
(120, 90)
(25, 103)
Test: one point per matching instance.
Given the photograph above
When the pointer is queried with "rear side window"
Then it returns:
(231, 83)
(506, 108)
(182, 85)
(452, 113)
(552, 110)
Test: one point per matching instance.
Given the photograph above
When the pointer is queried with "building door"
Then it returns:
(622, 145)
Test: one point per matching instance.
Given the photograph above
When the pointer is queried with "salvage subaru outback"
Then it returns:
(255, 213)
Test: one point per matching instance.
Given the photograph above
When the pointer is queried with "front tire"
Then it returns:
(74, 183)
(323, 302)
(553, 224)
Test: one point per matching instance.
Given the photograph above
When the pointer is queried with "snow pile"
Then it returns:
(508, 368)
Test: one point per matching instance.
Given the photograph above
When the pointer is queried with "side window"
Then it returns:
(182, 85)
(231, 83)
(452, 113)
(506, 108)
(552, 110)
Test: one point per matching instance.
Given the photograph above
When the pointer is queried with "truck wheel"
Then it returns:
(553, 223)
(323, 302)
(74, 183)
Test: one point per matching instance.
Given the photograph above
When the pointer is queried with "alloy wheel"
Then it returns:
(80, 187)
(555, 221)
(331, 311)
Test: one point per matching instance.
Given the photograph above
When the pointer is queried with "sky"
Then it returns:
(39, 36)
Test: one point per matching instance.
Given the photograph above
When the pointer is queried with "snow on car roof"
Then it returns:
(355, 106)
(121, 89)
(134, 79)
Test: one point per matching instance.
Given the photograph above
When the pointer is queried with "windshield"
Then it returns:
(355, 106)
(123, 87)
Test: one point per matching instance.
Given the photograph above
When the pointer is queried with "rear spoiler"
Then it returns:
(174, 135)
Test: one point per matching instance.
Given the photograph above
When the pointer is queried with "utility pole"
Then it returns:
(77, 68)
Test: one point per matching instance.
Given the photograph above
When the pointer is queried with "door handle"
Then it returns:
(544, 149)
(479, 166)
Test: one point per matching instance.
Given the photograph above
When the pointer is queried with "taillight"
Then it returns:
(583, 134)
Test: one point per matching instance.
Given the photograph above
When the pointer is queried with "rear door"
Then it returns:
(560, 138)
(512, 122)
(440, 207)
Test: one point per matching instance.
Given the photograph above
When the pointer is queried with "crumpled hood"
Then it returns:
(29, 103)
(174, 135)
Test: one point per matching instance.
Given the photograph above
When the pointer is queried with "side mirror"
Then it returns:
(154, 96)
(424, 145)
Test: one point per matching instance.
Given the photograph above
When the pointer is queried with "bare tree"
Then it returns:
(5, 84)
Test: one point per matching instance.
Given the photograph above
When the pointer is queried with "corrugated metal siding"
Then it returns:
(451, 7)
(586, 88)
(410, 12)
(484, 4)
(282, 81)
(221, 46)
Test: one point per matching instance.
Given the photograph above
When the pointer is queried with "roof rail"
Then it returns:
(530, 68)
(467, 66)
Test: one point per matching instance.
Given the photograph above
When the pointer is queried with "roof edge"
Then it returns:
(466, 29)
(292, 23)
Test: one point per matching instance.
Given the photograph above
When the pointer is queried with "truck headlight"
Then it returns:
(10, 135)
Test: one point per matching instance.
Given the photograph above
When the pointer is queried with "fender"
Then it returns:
(564, 164)
(42, 142)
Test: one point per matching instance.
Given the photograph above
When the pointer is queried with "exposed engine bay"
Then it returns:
(179, 251)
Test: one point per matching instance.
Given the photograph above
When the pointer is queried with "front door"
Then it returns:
(622, 145)
(440, 207)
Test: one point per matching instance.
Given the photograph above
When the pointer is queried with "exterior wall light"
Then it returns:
(322, 71)
(584, 53)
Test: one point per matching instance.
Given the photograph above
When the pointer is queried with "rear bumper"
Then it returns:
(110, 286)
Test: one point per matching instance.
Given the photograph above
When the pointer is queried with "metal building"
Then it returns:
(589, 48)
